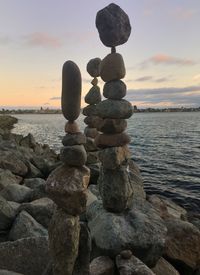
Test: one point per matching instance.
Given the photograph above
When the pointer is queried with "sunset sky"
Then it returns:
(162, 55)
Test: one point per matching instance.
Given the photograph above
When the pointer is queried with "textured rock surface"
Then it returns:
(132, 266)
(6, 177)
(89, 110)
(112, 67)
(113, 25)
(73, 155)
(38, 187)
(66, 186)
(141, 230)
(90, 146)
(92, 121)
(102, 265)
(6, 272)
(90, 132)
(71, 91)
(17, 193)
(112, 126)
(72, 127)
(64, 233)
(116, 140)
(10, 160)
(111, 108)
(93, 96)
(114, 89)
(164, 268)
(92, 158)
(74, 139)
(7, 214)
(93, 67)
(27, 256)
(26, 226)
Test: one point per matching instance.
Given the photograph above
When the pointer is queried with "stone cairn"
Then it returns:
(114, 181)
(92, 98)
(67, 185)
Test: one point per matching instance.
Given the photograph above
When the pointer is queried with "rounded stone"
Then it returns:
(114, 89)
(93, 96)
(111, 108)
(89, 110)
(91, 132)
(72, 128)
(112, 67)
(74, 139)
(126, 254)
(113, 25)
(93, 67)
(71, 91)
(93, 121)
(112, 126)
(73, 155)
(104, 140)
(94, 81)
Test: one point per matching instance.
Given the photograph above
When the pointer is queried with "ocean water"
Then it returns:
(166, 146)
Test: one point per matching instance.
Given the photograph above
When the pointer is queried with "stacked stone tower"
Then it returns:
(67, 184)
(115, 184)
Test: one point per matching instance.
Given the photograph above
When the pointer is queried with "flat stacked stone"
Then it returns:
(67, 184)
(114, 181)
(92, 98)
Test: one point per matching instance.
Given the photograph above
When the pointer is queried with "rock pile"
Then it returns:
(67, 184)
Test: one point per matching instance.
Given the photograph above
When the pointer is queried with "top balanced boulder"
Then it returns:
(113, 25)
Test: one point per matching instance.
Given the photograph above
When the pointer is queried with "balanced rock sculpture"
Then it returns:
(67, 184)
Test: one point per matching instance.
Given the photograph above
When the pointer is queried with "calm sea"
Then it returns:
(166, 146)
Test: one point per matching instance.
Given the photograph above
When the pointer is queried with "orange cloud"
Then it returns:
(170, 60)
(39, 39)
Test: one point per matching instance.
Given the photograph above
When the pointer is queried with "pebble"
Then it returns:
(112, 126)
(113, 25)
(73, 155)
(114, 89)
(71, 90)
(104, 140)
(94, 81)
(93, 96)
(112, 67)
(74, 139)
(72, 127)
(93, 67)
(126, 254)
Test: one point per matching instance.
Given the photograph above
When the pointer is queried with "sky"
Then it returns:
(162, 55)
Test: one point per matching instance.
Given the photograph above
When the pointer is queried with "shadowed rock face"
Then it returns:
(113, 25)
(71, 91)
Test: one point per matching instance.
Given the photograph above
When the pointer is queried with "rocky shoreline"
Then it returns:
(165, 238)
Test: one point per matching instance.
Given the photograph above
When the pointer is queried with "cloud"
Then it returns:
(40, 39)
(153, 79)
(183, 13)
(144, 78)
(164, 59)
(55, 98)
(184, 95)
(196, 77)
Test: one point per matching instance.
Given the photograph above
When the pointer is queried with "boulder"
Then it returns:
(93, 67)
(72, 127)
(11, 161)
(26, 226)
(112, 67)
(33, 171)
(140, 230)
(64, 233)
(66, 186)
(114, 89)
(28, 141)
(89, 110)
(7, 214)
(27, 256)
(92, 121)
(132, 266)
(38, 187)
(73, 155)
(93, 96)
(113, 25)
(112, 126)
(111, 108)
(102, 265)
(6, 177)
(90, 132)
(17, 193)
(94, 172)
(164, 268)
(71, 91)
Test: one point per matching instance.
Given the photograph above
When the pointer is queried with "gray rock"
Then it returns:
(115, 189)
(33, 171)
(112, 67)
(38, 187)
(108, 140)
(7, 214)
(74, 139)
(93, 67)
(164, 268)
(93, 96)
(132, 266)
(64, 233)
(89, 110)
(41, 210)
(82, 264)
(141, 230)
(6, 177)
(90, 132)
(90, 197)
(90, 146)
(15, 206)
(73, 155)
(45, 165)
(113, 25)
(92, 158)
(92, 121)
(6, 272)
(25, 226)
(102, 265)
(114, 89)
(71, 91)
(28, 141)
(112, 126)
(66, 186)
(17, 193)
(111, 108)
(27, 256)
